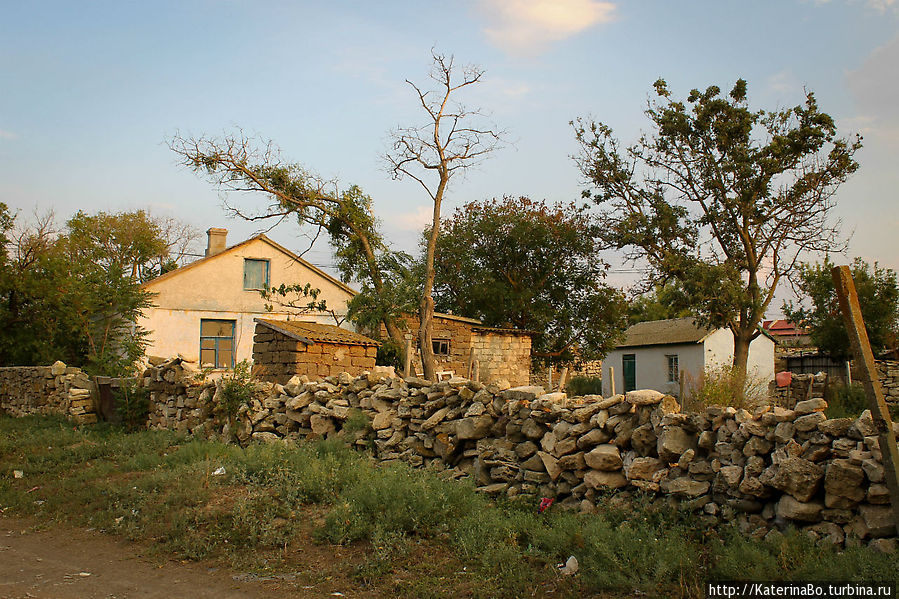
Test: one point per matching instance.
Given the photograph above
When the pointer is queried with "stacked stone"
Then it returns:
(56, 389)
(888, 372)
(765, 469)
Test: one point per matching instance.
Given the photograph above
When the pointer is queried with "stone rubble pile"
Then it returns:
(765, 469)
(56, 389)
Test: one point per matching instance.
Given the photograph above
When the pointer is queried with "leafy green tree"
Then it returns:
(75, 295)
(819, 309)
(526, 264)
(723, 199)
(662, 302)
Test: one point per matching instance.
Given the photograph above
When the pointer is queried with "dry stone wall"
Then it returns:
(56, 389)
(888, 372)
(765, 469)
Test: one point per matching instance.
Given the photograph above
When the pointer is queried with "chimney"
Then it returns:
(216, 243)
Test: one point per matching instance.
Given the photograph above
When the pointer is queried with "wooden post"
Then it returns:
(549, 377)
(470, 363)
(612, 380)
(867, 370)
(407, 367)
(680, 389)
(476, 370)
(848, 373)
(563, 378)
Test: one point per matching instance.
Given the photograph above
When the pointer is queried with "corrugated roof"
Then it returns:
(316, 332)
(665, 332)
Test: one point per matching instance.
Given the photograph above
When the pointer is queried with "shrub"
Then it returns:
(845, 401)
(723, 386)
(132, 404)
(584, 385)
(237, 390)
(390, 353)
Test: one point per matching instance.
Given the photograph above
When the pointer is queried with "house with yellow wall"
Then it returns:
(204, 311)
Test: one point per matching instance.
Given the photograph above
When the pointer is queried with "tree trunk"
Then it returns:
(426, 308)
(426, 314)
(741, 353)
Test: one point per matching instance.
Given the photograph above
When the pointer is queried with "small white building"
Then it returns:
(654, 355)
(205, 311)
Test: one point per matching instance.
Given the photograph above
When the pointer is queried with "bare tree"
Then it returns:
(452, 140)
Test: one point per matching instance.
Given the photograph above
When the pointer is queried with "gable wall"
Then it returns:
(214, 290)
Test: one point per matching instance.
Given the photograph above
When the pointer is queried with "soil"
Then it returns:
(71, 563)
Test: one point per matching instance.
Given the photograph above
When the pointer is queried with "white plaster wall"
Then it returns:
(719, 350)
(652, 366)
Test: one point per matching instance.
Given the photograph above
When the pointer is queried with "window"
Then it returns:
(217, 343)
(441, 347)
(255, 274)
(673, 372)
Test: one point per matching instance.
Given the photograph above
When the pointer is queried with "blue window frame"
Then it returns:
(255, 274)
(217, 343)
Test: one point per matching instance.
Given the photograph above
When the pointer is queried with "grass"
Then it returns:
(403, 532)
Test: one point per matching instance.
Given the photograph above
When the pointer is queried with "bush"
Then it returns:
(723, 386)
(845, 401)
(237, 390)
(584, 385)
(132, 405)
(390, 353)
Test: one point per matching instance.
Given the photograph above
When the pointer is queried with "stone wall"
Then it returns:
(277, 357)
(503, 356)
(765, 469)
(56, 389)
(888, 372)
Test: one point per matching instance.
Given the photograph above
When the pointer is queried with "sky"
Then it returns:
(90, 92)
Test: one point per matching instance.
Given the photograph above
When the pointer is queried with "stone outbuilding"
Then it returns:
(283, 348)
(500, 353)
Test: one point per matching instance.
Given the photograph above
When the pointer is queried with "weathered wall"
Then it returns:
(502, 356)
(55, 389)
(278, 357)
(766, 469)
(888, 372)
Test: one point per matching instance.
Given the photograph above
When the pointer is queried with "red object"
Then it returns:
(784, 378)
(544, 504)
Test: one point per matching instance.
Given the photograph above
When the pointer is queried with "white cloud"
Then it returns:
(783, 81)
(416, 220)
(526, 27)
(876, 92)
(7, 134)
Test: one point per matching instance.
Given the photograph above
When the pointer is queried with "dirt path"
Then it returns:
(69, 563)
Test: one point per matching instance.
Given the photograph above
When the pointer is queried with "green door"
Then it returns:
(629, 370)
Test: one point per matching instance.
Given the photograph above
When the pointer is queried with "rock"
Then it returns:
(599, 479)
(592, 438)
(475, 409)
(643, 468)
(58, 368)
(810, 405)
(809, 421)
(731, 475)
(557, 397)
(435, 419)
(673, 442)
(526, 449)
(783, 432)
(383, 420)
(685, 486)
(798, 477)
(644, 397)
(790, 508)
(878, 520)
(472, 428)
(605, 457)
(878, 494)
(265, 437)
(836, 427)
(874, 470)
(523, 393)
(548, 442)
(884, 545)
(321, 425)
(534, 463)
(864, 425)
(843, 484)
(531, 429)
(827, 531)
(643, 439)
(551, 465)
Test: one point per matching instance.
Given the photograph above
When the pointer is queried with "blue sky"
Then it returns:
(89, 91)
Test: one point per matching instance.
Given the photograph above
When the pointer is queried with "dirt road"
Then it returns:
(69, 563)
